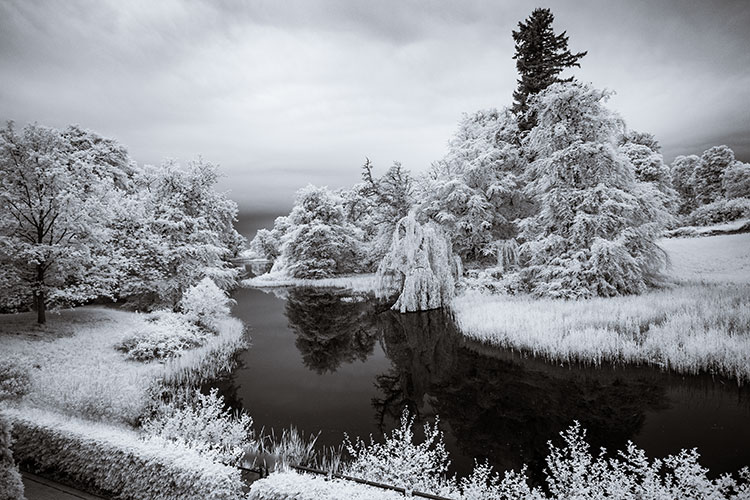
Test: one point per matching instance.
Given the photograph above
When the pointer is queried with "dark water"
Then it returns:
(323, 363)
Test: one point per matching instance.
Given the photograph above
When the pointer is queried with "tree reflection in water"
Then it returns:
(497, 406)
(500, 407)
(331, 328)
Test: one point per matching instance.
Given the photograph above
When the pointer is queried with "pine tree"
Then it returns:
(540, 57)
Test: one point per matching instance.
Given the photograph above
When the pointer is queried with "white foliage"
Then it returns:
(206, 304)
(200, 422)
(596, 227)
(399, 460)
(421, 265)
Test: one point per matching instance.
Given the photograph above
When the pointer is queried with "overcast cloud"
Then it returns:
(283, 93)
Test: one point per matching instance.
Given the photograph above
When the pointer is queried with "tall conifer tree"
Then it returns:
(540, 57)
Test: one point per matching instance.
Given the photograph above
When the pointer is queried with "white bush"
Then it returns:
(199, 422)
(205, 304)
(165, 335)
(400, 461)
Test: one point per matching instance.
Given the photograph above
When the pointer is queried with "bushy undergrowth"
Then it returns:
(689, 329)
(400, 461)
(205, 304)
(572, 472)
(115, 461)
(15, 378)
(200, 422)
(214, 357)
(722, 210)
(164, 335)
(14, 383)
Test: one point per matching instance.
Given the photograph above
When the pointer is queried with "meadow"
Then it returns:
(699, 321)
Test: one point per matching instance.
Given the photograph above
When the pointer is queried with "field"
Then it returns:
(699, 323)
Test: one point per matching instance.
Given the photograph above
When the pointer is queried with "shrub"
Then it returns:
(199, 422)
(205, 304)
(11, 486)
(400, 461)
(719, 211)
(206, 362)
(115, 461)
(15, 380)
(165, 335)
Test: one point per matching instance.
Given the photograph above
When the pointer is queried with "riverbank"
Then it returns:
(81, 401)
(364, 283)
(700, 323)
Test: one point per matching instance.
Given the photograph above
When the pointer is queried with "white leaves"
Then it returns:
(420, 263)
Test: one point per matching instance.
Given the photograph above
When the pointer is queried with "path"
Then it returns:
(39, 488)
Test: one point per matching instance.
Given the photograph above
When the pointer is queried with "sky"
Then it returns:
(285, 93)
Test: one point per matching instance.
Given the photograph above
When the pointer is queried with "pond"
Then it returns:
(325, 361)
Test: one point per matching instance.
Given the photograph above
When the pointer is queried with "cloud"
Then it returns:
(284, 93)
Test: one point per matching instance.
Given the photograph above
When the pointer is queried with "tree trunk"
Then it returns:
(41, 317)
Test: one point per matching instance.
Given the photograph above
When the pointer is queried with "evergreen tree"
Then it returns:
(540, 56)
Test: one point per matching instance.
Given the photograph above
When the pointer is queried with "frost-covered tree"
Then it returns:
(319, 241)
(56, 205)
(736, 180)
(420, 265)
(475, 191)
(375, 206)
(681, 173)
(177, 230)
(540, 56)
(596, 229)
(708, 174)
(643, 152)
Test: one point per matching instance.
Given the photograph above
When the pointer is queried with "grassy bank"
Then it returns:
(80, 399)
(76, 370)
(701, 323)
(355, 283)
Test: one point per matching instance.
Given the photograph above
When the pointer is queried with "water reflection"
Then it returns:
(324, 361)
(331, 328)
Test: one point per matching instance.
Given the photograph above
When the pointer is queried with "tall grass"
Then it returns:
(689, 329)
(196, 366)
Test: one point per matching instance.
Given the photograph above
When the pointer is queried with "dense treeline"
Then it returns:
(554, 195)
(80, 220)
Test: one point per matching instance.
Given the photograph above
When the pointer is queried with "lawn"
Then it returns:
(76, 370)
(699, 323)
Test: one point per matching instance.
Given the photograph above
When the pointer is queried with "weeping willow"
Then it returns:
(420, 265)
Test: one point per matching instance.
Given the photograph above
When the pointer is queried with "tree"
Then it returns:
(475, 191)
(709, 172)
(596, 229)
(319, 241)
(420, 265)
(177, 230)
(681, 173)
(643, 152)
(736, 180)
(376, 204)
(55, 211)
(540, 56)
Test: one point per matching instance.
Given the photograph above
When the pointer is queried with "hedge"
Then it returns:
(11, 486)
(115, 461)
